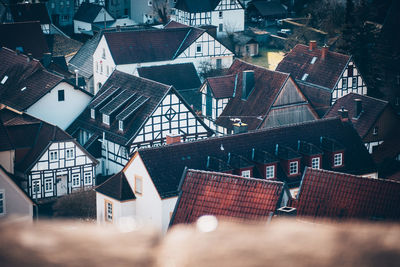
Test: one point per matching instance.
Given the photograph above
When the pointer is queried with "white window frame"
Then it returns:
(5, 78)
(106, 119)
(3, 201)
(93, 113)
(138, 188)
(315, 163)
(246, 173)
(295, 165)
(76, 177)
(109, 211)
(313, 60)
(268, 170)
(87, 178)
(39, 183)
(120, 125)
(375, 130)
(48, 185)
(69, 153)
(354, 85)
(53, 156)
(338, 159)
(344, 83)
(305, 76)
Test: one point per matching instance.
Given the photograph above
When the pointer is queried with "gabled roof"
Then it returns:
(225, 195)
(87, 12)
(117, 187)
(324, 72)
(30, 12)
(269, 8)
(223, 86)
(339, 195)
(165, 164)
(319, 97)
(27, 81)
(174, 24)
(26, 36)
(372, 109)
(196, 6)
(267, 85)
(150, 45)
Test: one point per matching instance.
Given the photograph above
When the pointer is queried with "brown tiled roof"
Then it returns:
(219, 194)
(339, 195)
(61, 45)
(26, 35)
(324, 72)
(117, 187)
(372, 109)
(165, 164)
(30, 12)
(267, 84)
(223, 86)
(150, 45)
(31, 75)
(173, 24)
(319, 97)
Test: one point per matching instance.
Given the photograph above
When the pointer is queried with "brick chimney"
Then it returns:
(343, 114)
(173, 139)
(313, 45)
(357, 108)
(324, 51)
(247, 83)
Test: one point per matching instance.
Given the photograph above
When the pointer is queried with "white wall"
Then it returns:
(60, 113)
(7, 160)
(168, 206)
(232, 20)
(80, 26)
(100, 16)
(121, 210)
(99, 75)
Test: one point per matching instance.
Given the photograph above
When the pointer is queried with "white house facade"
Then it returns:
(89, 14)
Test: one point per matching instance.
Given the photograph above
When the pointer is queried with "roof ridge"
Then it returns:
(330, 51)
(366, 96)
(143, 78)
(260, 67)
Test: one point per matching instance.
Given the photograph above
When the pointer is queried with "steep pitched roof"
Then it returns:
(61, 45)
(319, 97)
(174, 24)
(372, 109)
(27, 36)
(27, 81)
(219, 194)
(87, 12)
(324, 72)
(165, 164)
(117, 187)
(150, 45)
(267, 84)
(223, 86)
(196, 6)
(30, 12)
(339, 195)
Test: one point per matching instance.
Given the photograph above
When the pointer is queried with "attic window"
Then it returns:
(313, 60)
(338, 159)
(92, 113)
(304, 77)
(293, 168)
(246, 174)
(270, 172)
(106, 119)
(4, 79)
(120, 125)
(198, 48)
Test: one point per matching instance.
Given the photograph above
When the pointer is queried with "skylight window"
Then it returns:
(304, 77)
(4, 79)
(313, 60)
(23, 89)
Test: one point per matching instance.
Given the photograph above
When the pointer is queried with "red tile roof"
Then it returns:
(219, 194)
(372, 109)
(324, 72)
(339, 195)
(222, 86)
(319, 97)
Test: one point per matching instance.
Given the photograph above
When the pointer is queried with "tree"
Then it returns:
(80, 205)
(162, 10)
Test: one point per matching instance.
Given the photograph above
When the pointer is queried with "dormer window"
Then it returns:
(246, 174)
(270, 172)
(92, 113)
(120, 125)
(313, 60)
(3, 81)
(304, 77)
(106, 119)
(338, 159)
(293, 168)
(198, 48)
(315, 163)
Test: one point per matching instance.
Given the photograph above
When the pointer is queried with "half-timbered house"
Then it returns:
(148, 188)
(47, 161)
(131, 112)
(128, 50)
(323, 70)
(226, 15)
(254, 95)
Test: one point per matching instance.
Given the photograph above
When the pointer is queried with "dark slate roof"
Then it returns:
(222, 86)
(344, 196)
(150, 45)
(166, 164)
(87, 12)
(319, 97)
(61, 45)
(268, 8)
(325, 73)
(372, 109)
(182, 77)
(30, 137)
(30, 12)
(31, 75)
(267, 84)
(225, 195)
(196, 6)
(117, 187)
(26, 35)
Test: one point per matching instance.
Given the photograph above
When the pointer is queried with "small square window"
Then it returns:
(76, 180)
(315, 163)
(338, 159)
(246, 174)
(293, 167)
(53, 155)
(198, 48)
(69, 153)
(270, 172)
(138, 185)
(61, 96)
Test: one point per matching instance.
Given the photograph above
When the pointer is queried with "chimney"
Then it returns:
(344, 114)
(358, 107)
(29, 58)
(324, 51)
(247, 83)
(286, 212)
(313, 45)
(76, 78)
(239, 127)
(173, 138)
(46, 60)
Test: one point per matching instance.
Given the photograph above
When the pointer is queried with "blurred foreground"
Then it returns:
(210, 243)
